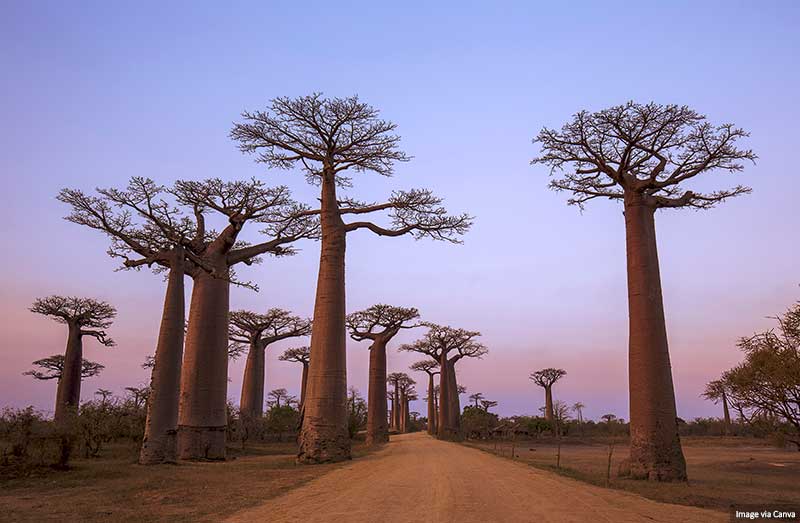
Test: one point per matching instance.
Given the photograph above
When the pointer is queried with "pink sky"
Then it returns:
(93, 96)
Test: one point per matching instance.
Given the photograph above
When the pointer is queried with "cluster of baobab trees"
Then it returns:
(171, 229)
(641, 155)
(444, 346)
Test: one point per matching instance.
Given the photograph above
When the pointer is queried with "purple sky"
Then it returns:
(92, 95)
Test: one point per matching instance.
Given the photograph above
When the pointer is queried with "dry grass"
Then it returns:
(114, 488)
(722, 471)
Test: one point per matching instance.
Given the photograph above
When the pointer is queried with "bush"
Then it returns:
(477, 422)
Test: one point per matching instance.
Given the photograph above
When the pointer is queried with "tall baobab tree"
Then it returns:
(488, 404)
(398, 380)
(447, 346)
(256, 332)
(409, 395)
(146, 229)
(104, 395)
(328, 137)
(477, 397)
(406, 384)
(276, 395)
(165, 228)
(138, 396)
(545, 378)
(379, 324)
(83, 317)
(644, 155)
(202, 411)
(436, 410)
(429, 367)
(300, 355)
(52, 368)
(578, 408)
(715, 391)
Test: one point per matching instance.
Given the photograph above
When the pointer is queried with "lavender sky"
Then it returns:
(94, 93)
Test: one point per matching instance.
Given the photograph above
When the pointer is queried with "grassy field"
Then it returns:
(114, 488)
(722, 471)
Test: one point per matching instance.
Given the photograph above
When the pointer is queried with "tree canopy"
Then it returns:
(297, 354)
(380, 320)
(649, 149)
(52, 368)
(546, 377)
(80, 312)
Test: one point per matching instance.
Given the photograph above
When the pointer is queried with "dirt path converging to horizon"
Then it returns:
(419, 479)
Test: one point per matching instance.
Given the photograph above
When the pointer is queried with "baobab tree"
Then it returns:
(476, 397)
(278, 395)
(488, 404)
(545, 378)
(256, 332)
(715, 391)
(644, 155)
(609, 418)
(328, 137)
(83, 317)
(104, 395)
(429, 367)
(578, 408)
(52, 368)
(147, 230)
(406, 389)
(165, 229)
(138, 396)
(300, 355)
(409, 395)
(202, 411)
(438, 343)
(397, 380)
(379, 324)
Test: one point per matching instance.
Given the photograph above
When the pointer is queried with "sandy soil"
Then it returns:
(417, 478)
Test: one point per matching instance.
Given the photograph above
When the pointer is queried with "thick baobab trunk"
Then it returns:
(403, 411)
(68, 394)
(251, 403)
(303, 385)
(655, 444)
(377, 429)
(727, 414)
(160, 444)
(202, 417)
(324, 436)
(396, 407)
(455, 401)
(436, 409)
(431, 407)
(448, 401)
(548, 403)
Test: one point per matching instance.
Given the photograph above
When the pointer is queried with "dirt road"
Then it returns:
(419, 479)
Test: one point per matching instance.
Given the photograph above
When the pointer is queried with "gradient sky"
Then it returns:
(94, 93)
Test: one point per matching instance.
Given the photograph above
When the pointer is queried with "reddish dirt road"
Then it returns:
(416, 478)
